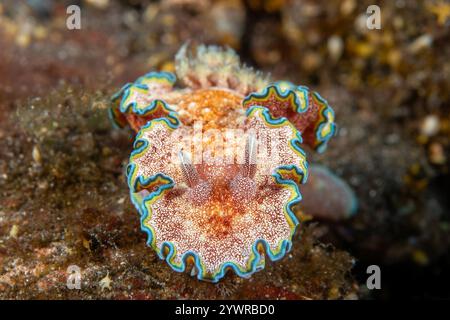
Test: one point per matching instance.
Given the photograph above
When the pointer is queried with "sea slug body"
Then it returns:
(213, 199)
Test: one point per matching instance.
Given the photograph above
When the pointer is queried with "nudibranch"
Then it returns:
(217, 164)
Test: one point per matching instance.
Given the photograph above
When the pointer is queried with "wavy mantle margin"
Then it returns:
(298, 97)
(325, 128)
(119, 109)
(163, 183)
